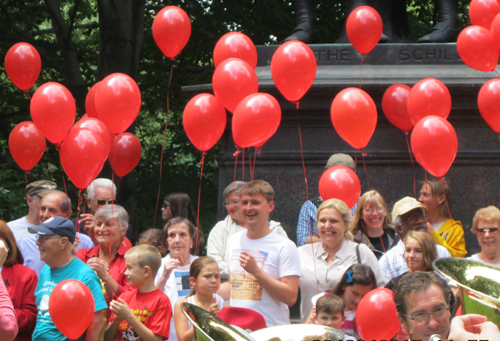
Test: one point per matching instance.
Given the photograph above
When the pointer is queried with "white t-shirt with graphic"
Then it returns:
(278, 257)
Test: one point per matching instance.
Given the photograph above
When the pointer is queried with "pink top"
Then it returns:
(8, 320)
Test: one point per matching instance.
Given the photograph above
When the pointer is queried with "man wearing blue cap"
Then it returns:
(55, 238)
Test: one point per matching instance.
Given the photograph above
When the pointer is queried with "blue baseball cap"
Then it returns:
(55, 225)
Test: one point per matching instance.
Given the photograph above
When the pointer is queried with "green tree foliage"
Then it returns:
(66, 33)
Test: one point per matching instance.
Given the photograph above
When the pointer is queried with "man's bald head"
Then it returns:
(55, 203)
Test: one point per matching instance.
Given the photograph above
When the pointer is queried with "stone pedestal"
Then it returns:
(389, 169)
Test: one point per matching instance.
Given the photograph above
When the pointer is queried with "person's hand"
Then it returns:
(430, 229)
(473, 327)
(88, 219)
(248, 263)
(171, 265)
(76, 243)
(214, 309)
(4, 252)
(121, 309)
(98, 266)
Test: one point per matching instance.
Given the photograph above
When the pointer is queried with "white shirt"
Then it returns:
(478, 259)
(278, 257)
(318, 276)
(19, 227)
(176, 287)
(217, 239)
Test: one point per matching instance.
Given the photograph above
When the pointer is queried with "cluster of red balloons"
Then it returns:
(478, 45)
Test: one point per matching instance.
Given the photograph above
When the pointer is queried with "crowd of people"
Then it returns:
(252, 273)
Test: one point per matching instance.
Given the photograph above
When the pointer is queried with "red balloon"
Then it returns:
(434, 143)
(376, 316)
(118, 101)
(495, 31)
(23, 65)
(429, 97)
(476, 48)
(482, 12)
(98, 127)
(171, 30)
(71, 308)
(293, 68)
(26, 144)
(488, 102)
(354, 116)
(90, 102)
(82, 156)
(364, 28)
(394, 105)
(255, 120)
(234, 80)
(53, 110)
(235, 45)
(204, 121)
(342, 183)
(125, 153)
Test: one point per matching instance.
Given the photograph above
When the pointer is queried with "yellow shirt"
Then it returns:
(451, 236)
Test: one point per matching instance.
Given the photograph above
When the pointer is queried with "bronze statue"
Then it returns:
(393, 13)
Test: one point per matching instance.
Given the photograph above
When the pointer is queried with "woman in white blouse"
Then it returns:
(323, 263)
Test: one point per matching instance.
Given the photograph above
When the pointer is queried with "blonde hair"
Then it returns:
(486, 214)
(369, 197)
(342, 208)
(146, 255)
(427, 244)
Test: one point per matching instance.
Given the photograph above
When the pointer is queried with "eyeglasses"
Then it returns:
(493, 230)
(414, 218)
(379, 209)
(43, 239)
(165, 205)
(102, 202)
(422, 318)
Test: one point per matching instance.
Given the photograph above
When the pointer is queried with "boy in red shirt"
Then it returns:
(143, 313)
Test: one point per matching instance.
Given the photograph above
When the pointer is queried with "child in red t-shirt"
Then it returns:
(144, 313)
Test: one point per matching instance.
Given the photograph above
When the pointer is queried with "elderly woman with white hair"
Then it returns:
(107, 257)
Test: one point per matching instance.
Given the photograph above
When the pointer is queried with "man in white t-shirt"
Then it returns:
(263, 266)
(35, 192)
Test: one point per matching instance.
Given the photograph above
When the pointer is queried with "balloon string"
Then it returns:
(307, 195)
(361, 74)
(497, 72)
(26, 177)
(255, 158)
(441, 180)
(202, 162)
(412, 165)
(250, 163)
(48, 160)
(355, 161)
(163, 143)
(28, 93)
(363, 154)
(80, 200)
(243, 164)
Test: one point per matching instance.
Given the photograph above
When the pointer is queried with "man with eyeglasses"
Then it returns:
(54, 204)
(425, 305)
(55, 238)
(407, 214)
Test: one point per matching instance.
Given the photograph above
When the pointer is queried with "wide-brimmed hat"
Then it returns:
(405, 205)
(246, 319)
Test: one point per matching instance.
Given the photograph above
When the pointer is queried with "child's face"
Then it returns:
(208, 281)
(353, 294)
(134, 273)
(334, 320)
